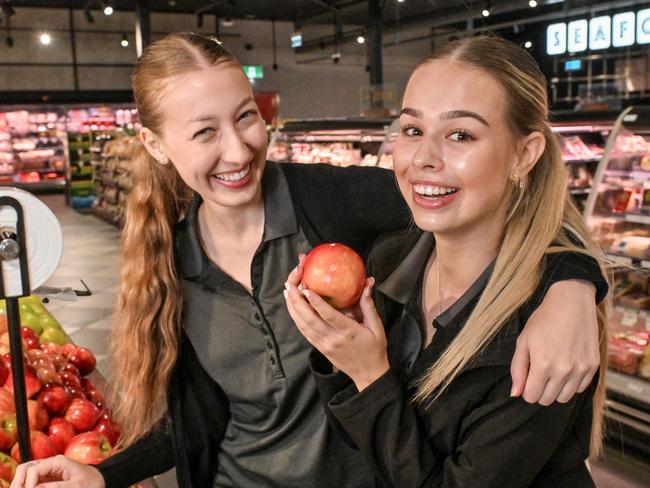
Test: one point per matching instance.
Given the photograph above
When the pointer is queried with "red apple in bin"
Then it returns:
(37, 415)
(30, 339)
(61, 433)
(7, 467)
(42, 447)
(76, 392)
(8, 430)
(88, 448)
(82, 414)
(4, 373)
(32, 385)
(7, 403)
(92, 393)
(52, 348)
(68, 349)
(83, 359)
(71, 368)
(70, 379)
(108, 428)
(55, 398)
(336, 273)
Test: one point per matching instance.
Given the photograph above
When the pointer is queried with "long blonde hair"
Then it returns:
(541, 219)
(146, 326)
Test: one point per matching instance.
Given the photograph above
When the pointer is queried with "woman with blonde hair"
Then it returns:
(481, 171)
(211, 373)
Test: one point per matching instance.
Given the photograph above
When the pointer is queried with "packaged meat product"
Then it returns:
(634, 246)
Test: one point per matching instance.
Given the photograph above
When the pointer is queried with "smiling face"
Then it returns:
(213, 134)
(455, 152)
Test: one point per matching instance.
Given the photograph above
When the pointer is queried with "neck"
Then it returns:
(464, 255)
(218, 223)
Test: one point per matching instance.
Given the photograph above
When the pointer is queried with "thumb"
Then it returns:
(371, 318)
(519, 369)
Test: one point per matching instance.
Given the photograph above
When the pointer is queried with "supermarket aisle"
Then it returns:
(91, 252)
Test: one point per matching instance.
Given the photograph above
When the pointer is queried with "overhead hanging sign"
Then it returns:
(621, 30)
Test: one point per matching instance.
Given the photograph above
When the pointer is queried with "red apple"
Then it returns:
(108, 428)
(8, 430)
(7, 403)
(30, 339)
(58, 360)
(34, 354)
(47, 375)
(52, 348)
(38, 417)
(55, 399)
(76, 392)
(61, 433)
(71, 368)
(83, 359)
(32, 385)
(336, 273)
(82, 414)
(6, 360)
(68, 349)
(42, 447)
(7, 467)
(88, 448)
(4, 373)
(70, 379)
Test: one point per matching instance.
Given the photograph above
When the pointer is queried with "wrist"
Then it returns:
(368, 377)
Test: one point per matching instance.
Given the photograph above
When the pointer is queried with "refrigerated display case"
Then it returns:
(582, 137)
(341, 142)
(618, 213)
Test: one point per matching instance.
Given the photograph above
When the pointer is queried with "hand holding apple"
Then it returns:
(55, 469)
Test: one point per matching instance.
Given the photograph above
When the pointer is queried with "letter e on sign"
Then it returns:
(578, 35)
(556, 38)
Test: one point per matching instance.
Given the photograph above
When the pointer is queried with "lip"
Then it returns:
(234, 184)
(433, 203)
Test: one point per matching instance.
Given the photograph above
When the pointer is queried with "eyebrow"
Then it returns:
(452, 114)
(204, 118)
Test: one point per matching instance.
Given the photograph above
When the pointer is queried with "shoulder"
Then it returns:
(390, 249)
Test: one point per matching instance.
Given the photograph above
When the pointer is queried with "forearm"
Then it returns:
(151, 455)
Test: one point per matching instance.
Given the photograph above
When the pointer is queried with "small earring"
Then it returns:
(517, 181)
(164, 161)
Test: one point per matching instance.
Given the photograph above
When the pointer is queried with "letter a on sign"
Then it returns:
(600, 29)
(556, 38)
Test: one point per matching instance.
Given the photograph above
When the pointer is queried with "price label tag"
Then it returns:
(638, 219)
(634, 387)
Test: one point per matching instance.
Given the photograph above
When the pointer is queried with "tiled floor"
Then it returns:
(91, 253)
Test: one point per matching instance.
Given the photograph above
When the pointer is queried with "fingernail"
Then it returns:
(300, 287)
(366, 291)
(306, 293)
(287, 286)
(286, 294)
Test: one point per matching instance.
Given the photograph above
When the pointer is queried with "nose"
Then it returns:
(428, 154)
(233, 147)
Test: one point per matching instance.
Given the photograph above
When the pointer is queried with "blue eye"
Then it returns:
(461, 135)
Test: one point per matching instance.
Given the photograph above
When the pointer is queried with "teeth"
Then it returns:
(234, 176)
(429, 190)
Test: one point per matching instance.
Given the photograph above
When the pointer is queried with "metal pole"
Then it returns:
(375, 46)
(142, 26)
(73, 48)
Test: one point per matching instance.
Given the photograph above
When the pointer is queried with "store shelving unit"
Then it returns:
(341, 142)
(33, 149)
(618, 213)
(582, 136)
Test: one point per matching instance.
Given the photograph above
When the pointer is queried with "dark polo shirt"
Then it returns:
(277, 435)
(474, 434)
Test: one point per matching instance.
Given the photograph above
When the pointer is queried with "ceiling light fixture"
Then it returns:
(125, 41)
(45, 39)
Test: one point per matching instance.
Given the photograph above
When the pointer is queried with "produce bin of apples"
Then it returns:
(67, 413)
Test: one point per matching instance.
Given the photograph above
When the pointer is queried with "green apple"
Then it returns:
(48, 320)
(54, 334)
(34, 304)
(31, 320)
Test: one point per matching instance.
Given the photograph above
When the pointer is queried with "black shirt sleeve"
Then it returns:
(151, 455)
(352, 205)
(574, 266)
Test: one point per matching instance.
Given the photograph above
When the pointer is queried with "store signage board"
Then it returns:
(573, 65)
(621, 30)
(296, 40)
(254, 72)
